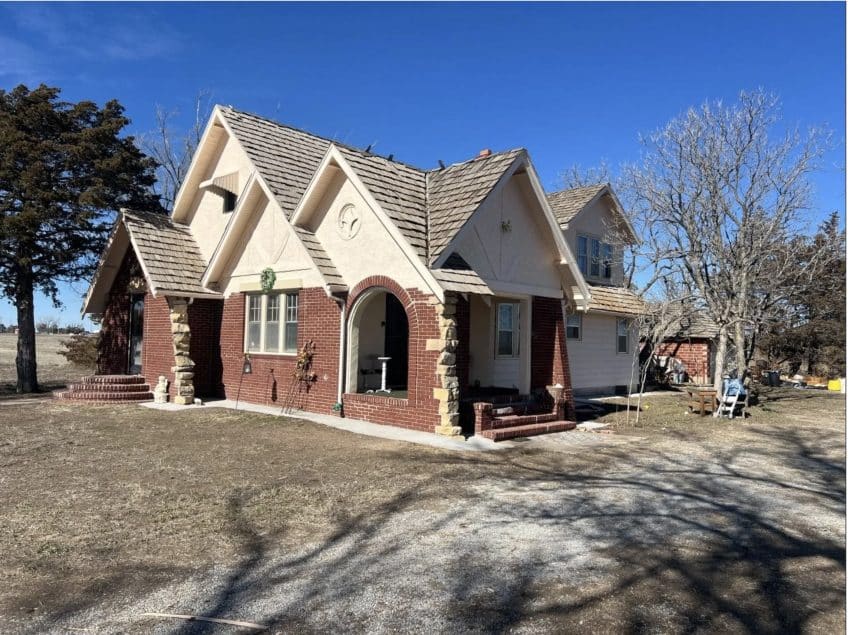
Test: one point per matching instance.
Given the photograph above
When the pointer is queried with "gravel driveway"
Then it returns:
(608, 533)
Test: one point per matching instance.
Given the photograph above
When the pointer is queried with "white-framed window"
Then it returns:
(507, 329)
(271, 323)
(582, 254)
(622, 335)
(607, 260)
(574, 326)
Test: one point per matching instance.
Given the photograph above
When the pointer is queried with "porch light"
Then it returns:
(246, 365)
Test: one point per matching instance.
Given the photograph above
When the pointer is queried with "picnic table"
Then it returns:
(702, 400)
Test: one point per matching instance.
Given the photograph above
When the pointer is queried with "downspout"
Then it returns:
(342, 344)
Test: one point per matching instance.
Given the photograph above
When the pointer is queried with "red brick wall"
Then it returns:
(271, 381)
(549, 360)
(420, 410)
(204, 347)
(695, 354)
(157, 349)
(113, 348)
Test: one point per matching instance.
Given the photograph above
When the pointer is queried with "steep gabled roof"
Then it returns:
(567, 203)
(285, 157)
(454, 193)
(167, 252)
(400, 191)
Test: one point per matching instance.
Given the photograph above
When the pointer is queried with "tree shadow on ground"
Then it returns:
(648, 541)
(745, 539)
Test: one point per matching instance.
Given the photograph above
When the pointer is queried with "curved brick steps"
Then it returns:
(107, 389)
(113, 379)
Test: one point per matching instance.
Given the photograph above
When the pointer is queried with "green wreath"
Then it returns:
(267, 279)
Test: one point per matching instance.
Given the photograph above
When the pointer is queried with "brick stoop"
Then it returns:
(107, 389)
(528, 430)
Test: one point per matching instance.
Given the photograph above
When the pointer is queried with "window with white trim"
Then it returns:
(507, 329)
(574, 326)
(622, 335)
(271, 323)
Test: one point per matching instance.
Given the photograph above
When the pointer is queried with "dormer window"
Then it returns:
(229, 201)
(595, 258)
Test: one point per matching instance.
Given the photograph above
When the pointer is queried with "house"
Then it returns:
(602, 340)
(690, 344)
(298, 271)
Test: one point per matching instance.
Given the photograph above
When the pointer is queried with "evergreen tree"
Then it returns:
(64, 171)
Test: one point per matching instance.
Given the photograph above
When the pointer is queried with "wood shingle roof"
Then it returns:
(567, 203)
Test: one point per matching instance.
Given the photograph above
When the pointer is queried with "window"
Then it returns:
(229, 201)
(607, 260)
(622, 335)
(594, 257)
(271, 324)
(507, 329)
(574, 326)
(582, 254)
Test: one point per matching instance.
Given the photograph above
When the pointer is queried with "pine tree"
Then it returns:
(64, 171)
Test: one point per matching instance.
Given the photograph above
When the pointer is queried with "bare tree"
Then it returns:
(720, 205)
(173, 151)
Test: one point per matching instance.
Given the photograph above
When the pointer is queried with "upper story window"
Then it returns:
(507, 329)
(271, 323)
(582, 254)
(229, 201)
(595, 258)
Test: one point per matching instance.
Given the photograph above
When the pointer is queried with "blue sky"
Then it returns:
(573, 83)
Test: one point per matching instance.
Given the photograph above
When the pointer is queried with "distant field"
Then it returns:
(54, 371)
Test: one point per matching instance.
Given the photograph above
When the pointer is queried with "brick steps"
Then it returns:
(528, 430)
(107, 389)
(512, 421)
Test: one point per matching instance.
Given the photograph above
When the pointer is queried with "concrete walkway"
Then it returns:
(473, 444)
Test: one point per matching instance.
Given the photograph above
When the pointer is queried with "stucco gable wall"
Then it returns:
(373, 251)
(522, 255)
(207, 218)
(268, 241)
(597, 221)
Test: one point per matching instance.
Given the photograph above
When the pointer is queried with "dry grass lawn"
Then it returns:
(54, 371)
(678, 524)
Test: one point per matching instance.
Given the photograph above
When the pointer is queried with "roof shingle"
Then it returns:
(615, 300)
(567, 203)
(168, 252)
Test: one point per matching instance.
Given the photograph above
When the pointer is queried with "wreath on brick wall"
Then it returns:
(267, 279)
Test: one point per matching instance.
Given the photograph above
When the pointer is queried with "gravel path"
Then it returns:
(662, 536)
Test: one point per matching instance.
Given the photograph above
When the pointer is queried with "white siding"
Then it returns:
(595, 364)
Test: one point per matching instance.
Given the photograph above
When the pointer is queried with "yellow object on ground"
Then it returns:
(834, 384)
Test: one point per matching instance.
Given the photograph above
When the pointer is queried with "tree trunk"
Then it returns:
(740, 349)
(720, 359)
(25, 359)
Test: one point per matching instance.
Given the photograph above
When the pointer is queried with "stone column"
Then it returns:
(184, 367)
(448, 394)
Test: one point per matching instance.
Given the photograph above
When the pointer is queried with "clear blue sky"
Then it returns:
(573, 83)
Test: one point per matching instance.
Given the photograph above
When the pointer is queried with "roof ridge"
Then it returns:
(319, 137)
(580, 187)
(476, 158)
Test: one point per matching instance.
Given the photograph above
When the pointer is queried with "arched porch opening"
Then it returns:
(377, 329)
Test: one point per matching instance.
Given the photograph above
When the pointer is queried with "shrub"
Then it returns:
(81, 350)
